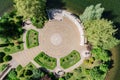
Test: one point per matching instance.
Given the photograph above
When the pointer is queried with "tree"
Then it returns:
(100, 33)
(96, 74)
(32, 9)
(10, 26)
(12, 75)
(92, 12)
(104, 67)
(101, 54)
(46, 77)
(37, 73)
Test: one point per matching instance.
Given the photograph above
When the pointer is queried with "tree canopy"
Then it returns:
(10, 26)
(30, 8)
(100, 33)
(92, 12)
(35, 10)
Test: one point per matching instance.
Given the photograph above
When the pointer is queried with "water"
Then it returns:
(114, 73)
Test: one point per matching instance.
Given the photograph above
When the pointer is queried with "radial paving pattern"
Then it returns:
(59, 38)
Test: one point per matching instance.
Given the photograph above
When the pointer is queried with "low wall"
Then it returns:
(79, 25)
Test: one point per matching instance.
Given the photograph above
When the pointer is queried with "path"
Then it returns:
(70, 36)
(5, 72)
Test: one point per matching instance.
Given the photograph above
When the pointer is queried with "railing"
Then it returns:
(5, 72)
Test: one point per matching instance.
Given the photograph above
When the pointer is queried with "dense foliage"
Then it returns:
(10, 26)
(92, 13)
(33, 9)
(29, 72)
(100, 33)
(4, 57)
(94, 68)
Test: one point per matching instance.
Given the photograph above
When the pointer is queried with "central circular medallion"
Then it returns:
(56, 39)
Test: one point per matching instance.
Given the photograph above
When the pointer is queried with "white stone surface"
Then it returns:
(56, 39)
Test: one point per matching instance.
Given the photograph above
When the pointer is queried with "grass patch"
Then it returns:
(45, 61)
(32, 38)
(70, 59)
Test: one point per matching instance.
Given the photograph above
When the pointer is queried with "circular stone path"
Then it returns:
(59, 38)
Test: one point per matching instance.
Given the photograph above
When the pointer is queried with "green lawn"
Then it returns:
(32, 38)
(70, 59)
(46, 61)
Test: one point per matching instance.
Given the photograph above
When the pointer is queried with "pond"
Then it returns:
(113, 74)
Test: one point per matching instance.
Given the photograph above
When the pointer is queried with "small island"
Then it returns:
(39, 42)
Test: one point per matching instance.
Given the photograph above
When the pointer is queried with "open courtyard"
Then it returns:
(57, 39)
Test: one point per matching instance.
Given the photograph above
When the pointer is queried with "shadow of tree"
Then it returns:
(55, 4)
(47, 72)
(110, 16)
(117, 34)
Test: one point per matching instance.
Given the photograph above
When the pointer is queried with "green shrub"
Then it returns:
(11, 44)
(38, 22)
(19, 67)
(70, 59)
(12, 75)
(2, 54)
(2, 67)
(6, 49)
(7, 58)
(18, 47)
(28, 72)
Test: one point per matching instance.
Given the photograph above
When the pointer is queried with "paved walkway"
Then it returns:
(57, 39)
(70, 40)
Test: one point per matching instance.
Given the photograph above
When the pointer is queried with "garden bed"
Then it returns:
(45, 61)
(70, 59)
(32, 38)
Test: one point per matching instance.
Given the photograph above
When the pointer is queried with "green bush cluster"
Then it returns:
(29, 72)
(4, 57)
(38, 22)
(2, 67)
(10, 32)
(45, 61)
(70, 59)
(32, 38)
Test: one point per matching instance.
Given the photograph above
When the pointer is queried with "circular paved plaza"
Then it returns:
(59, 38)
